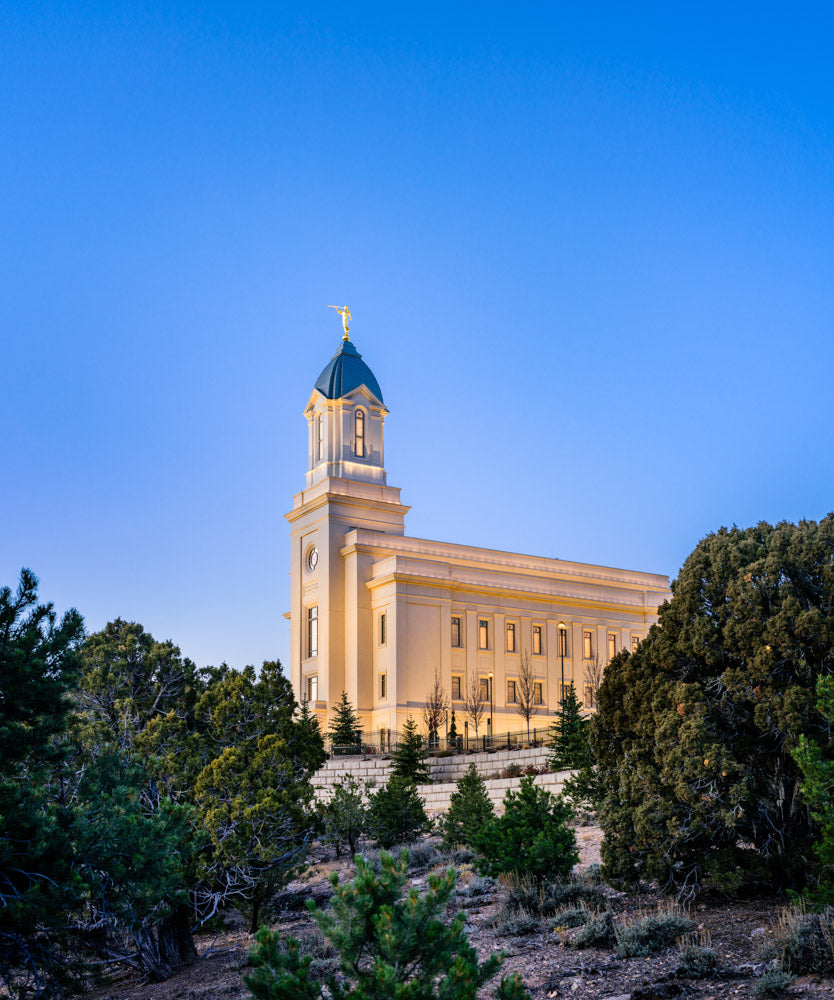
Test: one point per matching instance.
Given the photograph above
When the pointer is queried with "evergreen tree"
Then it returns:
(531, 838)
(409, 757)
(345, 816)
(470, 809)
(453, 731)
(397, 814)
(345, 731)
(308, 742)
(569, 735)
(696, 727)
(816, 761)
(391, 945)
(38, 884)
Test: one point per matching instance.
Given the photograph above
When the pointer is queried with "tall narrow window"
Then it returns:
(510, 637)
(612, 645)
(590, 696)
(483, 634)
(359, 437)
(484, 689)
(635, 642)
(456, 631)
(313, 687)
(456, 696)
(511, 692)
(383, 685)
(313, 631)
(537, 640)
(319, 438)
(383, 629)
(587, 644)
(538, 696)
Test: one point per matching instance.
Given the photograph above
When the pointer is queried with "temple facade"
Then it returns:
(379, 615)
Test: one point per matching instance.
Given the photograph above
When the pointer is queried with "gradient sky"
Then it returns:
(588, 249)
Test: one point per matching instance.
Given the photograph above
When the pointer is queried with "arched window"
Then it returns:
(359, 436)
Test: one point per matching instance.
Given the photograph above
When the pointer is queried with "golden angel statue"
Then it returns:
(344, 312)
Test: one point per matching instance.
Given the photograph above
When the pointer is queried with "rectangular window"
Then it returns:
(635, 642)
(510, 637)
(565, 689)
(456, 631)
(538, 695)
(484, 689)
(313, 631)
(359, 436)
(383, 685)
(510, 692)
(537, 640)
(319, 437)
(587, 644)
(456, 688)
(612, 645)
(590, 696)
(383, 629)
(483, 634)
(313, 687)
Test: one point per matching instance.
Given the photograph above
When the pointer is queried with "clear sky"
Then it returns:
(588, 249)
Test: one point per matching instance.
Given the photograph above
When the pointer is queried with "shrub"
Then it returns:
(803, 942)
(396, 814)
(549, 897)
(469, 809)
(345, 816)
(570, 916)
(513, 922)
(773, 983)
(651, 933)
(696, 958)
(531, 838)
(511, 771)
(598, 931)
(391, 944)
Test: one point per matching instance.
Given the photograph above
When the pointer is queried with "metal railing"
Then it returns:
(368, 747)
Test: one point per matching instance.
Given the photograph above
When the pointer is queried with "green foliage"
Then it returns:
(652, 932)
(38, 884)
(803, 942)
(469, 809)
(308, 741)
(816, 762)
(773, 983)
(550, 896)
(345, 816)
(345, 731)
(453, 731)
(568, 737)
(392, 946)
(531, 838)
(597, 931)
(696, 727)
(397, 814)
(409, 757)
(696, 958)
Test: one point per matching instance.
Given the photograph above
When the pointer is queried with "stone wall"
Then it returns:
(444, 773)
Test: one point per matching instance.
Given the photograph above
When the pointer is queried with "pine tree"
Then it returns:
(345, 816)
(530, 839)
(409, 757)
(470, 809)
(308, 742)
(345, 731)
(397, 814)
(453, 731)
(391, 943)
(569, 735)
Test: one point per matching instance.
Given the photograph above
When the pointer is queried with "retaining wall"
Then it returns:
(444, 772)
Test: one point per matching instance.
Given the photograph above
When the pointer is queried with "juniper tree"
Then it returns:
(696, 727)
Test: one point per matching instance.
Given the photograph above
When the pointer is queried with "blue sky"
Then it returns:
(588, 250)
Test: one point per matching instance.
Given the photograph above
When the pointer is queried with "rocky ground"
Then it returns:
(736, 933)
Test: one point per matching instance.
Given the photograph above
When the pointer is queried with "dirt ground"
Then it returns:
(550, 970)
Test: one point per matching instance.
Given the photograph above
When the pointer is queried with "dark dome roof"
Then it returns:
(345, 372)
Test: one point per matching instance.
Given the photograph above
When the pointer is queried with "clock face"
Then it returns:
(312, 558)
